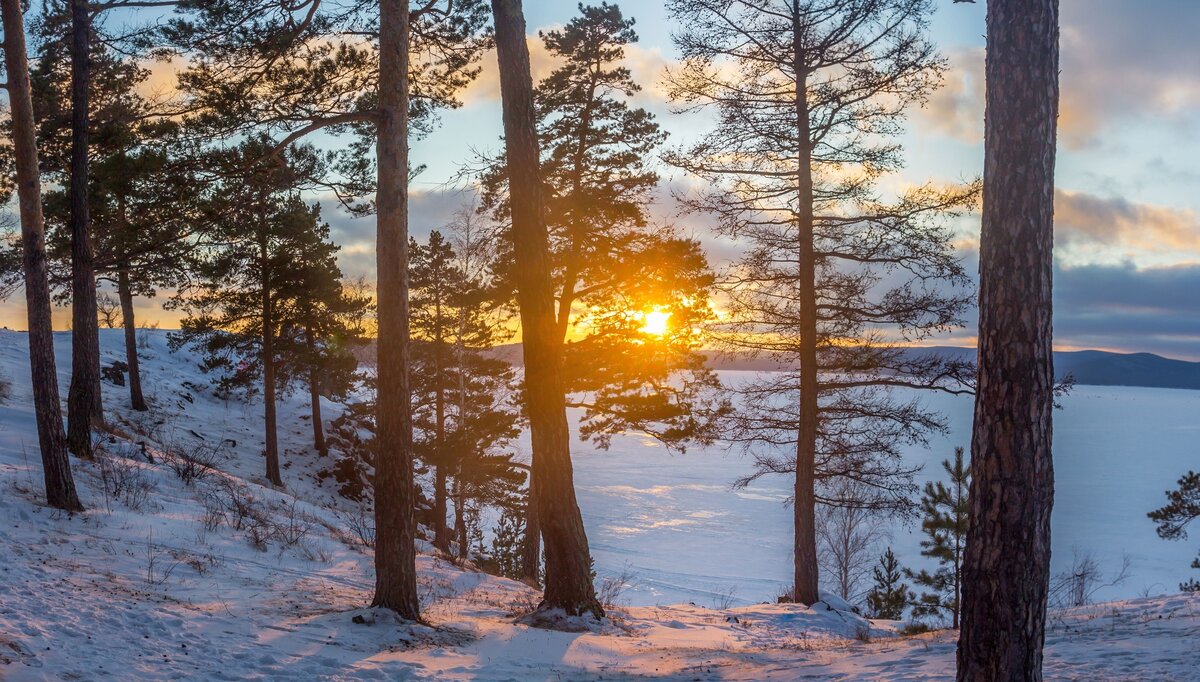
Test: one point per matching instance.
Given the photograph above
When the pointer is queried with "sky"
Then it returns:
(1127, 209)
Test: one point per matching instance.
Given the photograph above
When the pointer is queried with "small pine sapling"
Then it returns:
(507, 538)
(1183, 507)
(946, 511)
(890, 595)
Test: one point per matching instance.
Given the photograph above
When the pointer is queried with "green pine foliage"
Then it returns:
(290, 70)
(144, 187)
(267, 269)
(946, 518)
(1183, 507)
(611, 264)
(464, 402)
(507, 539)
(890, 595)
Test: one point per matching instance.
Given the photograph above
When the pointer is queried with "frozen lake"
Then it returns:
(688, 537)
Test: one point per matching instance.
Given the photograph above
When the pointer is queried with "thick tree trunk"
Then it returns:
(806, 578)
(314, 393)
(83, 400)
(268, 360)
(568, 562)
(56, 466)
(395, 523)
(1007, 563)
(531, 550)
(125, 293)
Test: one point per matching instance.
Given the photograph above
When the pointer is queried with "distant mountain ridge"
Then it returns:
(1088, 367)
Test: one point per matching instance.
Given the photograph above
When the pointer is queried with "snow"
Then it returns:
(140, 587)
(674, 522)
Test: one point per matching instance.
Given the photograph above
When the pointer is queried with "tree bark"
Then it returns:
(460, 520)
(1007, 564)
(125, 293)
(395, 523)
(568, 562)
(314, 393)
(806, 578)
(56, 466)
(83, 399)
(441, 535)
(531, 550)
(268, 360)
(441, 538)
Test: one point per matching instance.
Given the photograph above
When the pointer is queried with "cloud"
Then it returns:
(1125, 59)
(1118, 307)
(1088, 226)
(1123, 307)
(1120, 61)
(428, 210)
(486, 87)
(956, 109)
(646, 65)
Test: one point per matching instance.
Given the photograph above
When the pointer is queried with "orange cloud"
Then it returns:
(1092, 225)
(646, 65)
(956, 109)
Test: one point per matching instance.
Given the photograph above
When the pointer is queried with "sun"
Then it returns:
(656, 323)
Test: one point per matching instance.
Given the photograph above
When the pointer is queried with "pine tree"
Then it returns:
(487, 421)
(890, 595)
(321, 326)
(251, 281)
(946, 520)
(378, 72)
(56, 466)
(1183, 507)
(612, 265)
(434, 281)
(143, 190)
(506, 545)
(809, 98)
(568, 577)
(1006, 569)
(460, 409)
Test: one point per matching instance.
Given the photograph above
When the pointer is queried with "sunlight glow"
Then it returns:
(656, 323)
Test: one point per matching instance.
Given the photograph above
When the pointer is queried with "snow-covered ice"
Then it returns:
(674, 521)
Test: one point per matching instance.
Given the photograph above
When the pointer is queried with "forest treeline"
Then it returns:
(203, 194)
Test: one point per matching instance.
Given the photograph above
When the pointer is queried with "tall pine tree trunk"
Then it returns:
(56, 467)
(568, 562)
(83, 400)
(125, 294)
(805, 590)
(268, 360)
(531, 549)
(314, 392)
(1007, 563)
(395, 524)
(441, 539)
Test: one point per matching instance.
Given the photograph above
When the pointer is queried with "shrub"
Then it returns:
(125, 481)
(191, 465)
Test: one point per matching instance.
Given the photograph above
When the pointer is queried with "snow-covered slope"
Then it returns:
(223, 578)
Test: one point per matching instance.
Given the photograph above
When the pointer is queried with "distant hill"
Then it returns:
(1089, 367)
